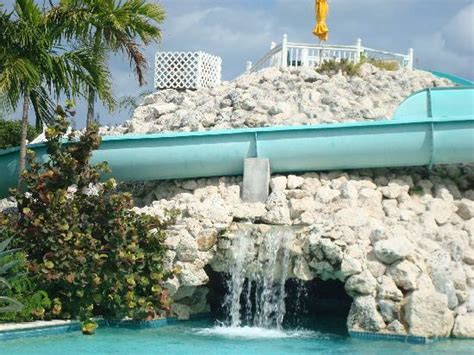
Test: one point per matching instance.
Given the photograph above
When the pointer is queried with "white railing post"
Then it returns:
(284, 51)
(272, 58)
(410, 59)
(305, 57)
(359, 50)
(248, 66)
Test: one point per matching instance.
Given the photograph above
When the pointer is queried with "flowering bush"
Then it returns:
(85, 246)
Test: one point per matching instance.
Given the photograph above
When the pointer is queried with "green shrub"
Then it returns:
(331, 67)
(389, 65)
(347, 67)
(7, 265)
(10, 133)
(36, 303)
(86, 248)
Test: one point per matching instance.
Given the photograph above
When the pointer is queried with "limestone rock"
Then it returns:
(294, 182)
(278, 210)
(301, 270)
(443, 284)
(464, 326)
(190, 275)
(278, 183)
(405, 274)
(396, 327)
(181, 311)
(388, 290)
(427, 314)
(465, 209)
(364, 315)
(350, 266)
(441, 210)
(351, 217)
(393, 249)
(172, 285)
(361, 284)
(389, 310)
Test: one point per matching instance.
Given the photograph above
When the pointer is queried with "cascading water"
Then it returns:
(258, 275)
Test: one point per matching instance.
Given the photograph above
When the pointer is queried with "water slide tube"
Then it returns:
(433, 126)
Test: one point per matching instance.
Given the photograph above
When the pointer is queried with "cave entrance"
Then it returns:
(316, 305)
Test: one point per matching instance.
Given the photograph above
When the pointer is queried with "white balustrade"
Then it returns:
(312, 55)
(187, 70)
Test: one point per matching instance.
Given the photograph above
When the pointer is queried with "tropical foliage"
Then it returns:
(34, 65)
(86, 248)
(7, 304)
(10, 133)
(110, 26)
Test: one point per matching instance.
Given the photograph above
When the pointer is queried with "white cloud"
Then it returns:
(459, 31)
(451, 47)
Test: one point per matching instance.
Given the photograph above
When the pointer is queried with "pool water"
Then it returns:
(205, 337)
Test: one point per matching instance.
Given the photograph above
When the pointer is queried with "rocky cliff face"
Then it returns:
(401, 240)
(279, 97)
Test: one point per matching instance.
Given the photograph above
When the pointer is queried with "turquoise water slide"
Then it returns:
(433, 126)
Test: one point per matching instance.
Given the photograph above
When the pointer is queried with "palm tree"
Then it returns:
(114, 26)
(33, 66)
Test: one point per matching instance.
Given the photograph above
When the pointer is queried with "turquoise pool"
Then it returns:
(203, 337)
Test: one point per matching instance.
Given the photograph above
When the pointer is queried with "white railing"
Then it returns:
(187, 70)
(291, 54)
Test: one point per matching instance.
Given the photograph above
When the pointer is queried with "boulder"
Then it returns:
(465, 209)
(464, 326)
(181, 311)
(190, 275)
(301, 269)
(388, 290)
(294, 182)
(441, 210)
(351, 217)
(427, 314)
(389, 310)
(364, 315)
(405, 274)
(278, 183)
(393, 249)
(350, 266)
(361, 284)
(187, 249)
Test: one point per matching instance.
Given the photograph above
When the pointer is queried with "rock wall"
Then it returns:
(402, 240)
(279, 97)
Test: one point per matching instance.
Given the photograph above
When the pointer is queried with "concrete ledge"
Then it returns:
(10, 331)
(412, 339)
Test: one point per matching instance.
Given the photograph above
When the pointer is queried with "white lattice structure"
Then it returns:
(291, 54)
(187, 70)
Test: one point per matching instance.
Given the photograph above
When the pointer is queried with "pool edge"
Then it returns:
(405, 338)
(45, 329)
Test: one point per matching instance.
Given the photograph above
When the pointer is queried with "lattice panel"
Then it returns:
(187, 70)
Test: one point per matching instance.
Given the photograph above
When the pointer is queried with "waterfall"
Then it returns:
(257, 280)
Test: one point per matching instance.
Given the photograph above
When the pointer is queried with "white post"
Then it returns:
(272, 58)
(410, 59)
(248, 66)
(359, 50)
(305, 57)
(284, 51)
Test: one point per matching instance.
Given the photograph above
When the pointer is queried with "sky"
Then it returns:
(440, 31)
